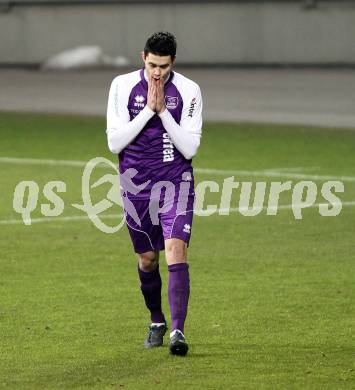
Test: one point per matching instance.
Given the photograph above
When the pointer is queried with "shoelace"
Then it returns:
(151, 332)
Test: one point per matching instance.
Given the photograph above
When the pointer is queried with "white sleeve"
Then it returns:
(120, 130)
(186, 135)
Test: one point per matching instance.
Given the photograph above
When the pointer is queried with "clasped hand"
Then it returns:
(156, 98)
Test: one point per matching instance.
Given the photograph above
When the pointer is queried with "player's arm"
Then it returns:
(120, 130)
(186, 135)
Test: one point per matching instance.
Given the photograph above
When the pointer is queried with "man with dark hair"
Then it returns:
(154, 121)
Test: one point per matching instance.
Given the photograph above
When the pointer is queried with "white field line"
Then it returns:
(269, 174)
(208, 171)
(39, 161)
(60, 219)
(280, 207)
(289, 169)
(290, 206)
(198, 212)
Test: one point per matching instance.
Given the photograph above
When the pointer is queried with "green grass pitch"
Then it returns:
(272, 297)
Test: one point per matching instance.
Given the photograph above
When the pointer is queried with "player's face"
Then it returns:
(157, 66)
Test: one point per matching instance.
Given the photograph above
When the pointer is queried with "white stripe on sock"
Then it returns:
(174, 331)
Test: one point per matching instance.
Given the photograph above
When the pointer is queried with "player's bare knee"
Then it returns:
(148, 261)
(175, 251)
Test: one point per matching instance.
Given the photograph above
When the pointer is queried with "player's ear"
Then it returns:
(143, 56)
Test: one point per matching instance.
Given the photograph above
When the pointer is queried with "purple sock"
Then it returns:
(151, 290)
(178, 292)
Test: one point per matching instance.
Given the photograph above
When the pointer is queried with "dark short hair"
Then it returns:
(161, 44)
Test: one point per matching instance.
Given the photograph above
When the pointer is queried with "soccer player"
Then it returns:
(154, 125)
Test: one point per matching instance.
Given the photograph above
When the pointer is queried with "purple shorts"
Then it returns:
(150, 222)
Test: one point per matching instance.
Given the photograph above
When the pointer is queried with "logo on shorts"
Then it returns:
(186, 176)
(187, 228)
(171, 102)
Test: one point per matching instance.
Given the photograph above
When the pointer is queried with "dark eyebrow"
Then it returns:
(160, 66)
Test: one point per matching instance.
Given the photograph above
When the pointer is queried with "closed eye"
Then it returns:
(152, 65)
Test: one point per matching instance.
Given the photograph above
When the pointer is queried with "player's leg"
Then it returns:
(148, 270)
(179, 281)
(178, 292)
(175, 251)
(176, 227)
(147, 241)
